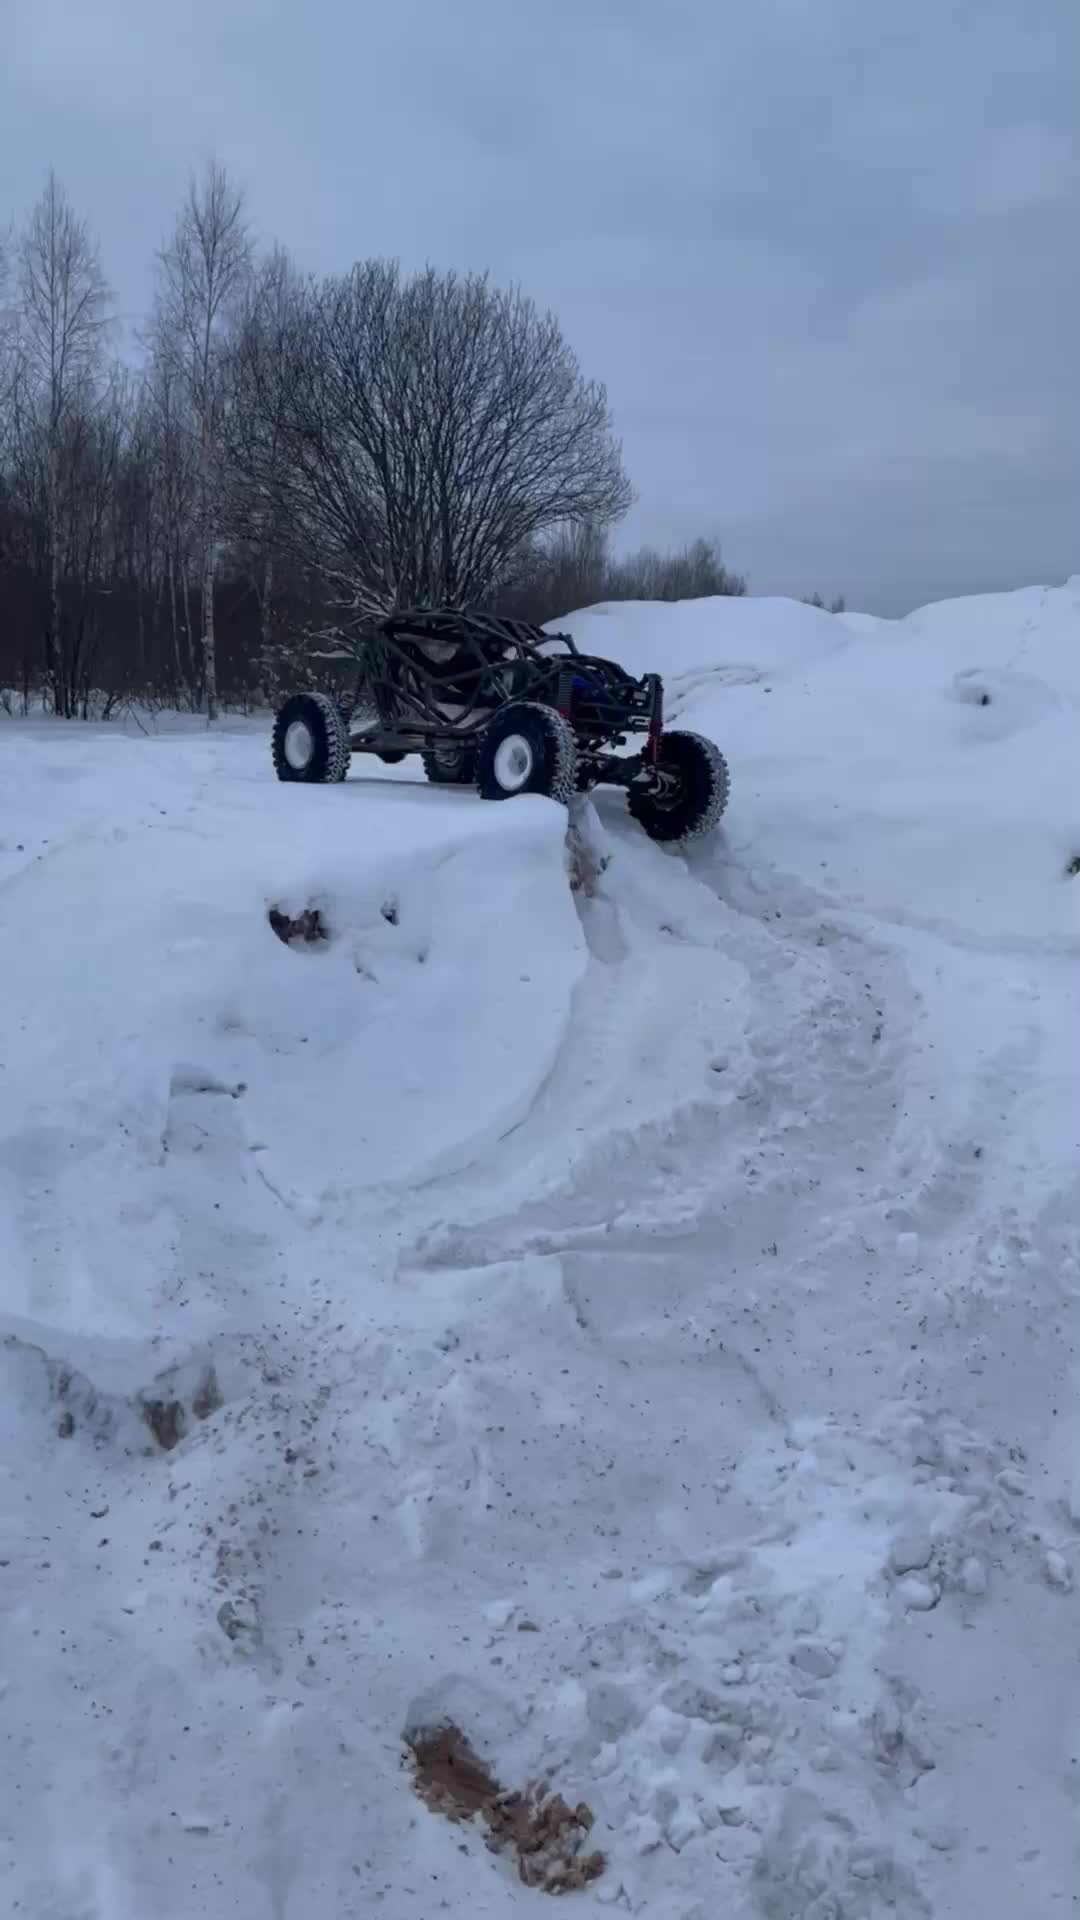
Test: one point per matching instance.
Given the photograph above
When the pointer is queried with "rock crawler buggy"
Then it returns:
(507, 708)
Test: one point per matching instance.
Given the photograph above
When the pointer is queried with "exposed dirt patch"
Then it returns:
(584, 865)
(308, 927)
(166, 1421)
(207, 1396)
(168, 1415)
(545, 1836)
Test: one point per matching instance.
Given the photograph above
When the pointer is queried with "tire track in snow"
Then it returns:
(687, 1288)
(838, 1311)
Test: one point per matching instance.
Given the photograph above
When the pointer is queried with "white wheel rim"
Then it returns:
(513, 762)
(299, 745)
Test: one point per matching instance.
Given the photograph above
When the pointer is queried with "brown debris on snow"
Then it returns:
(307, 926)
(166, 1421)
(544, 1834)
(166, 1412)
(585, 866)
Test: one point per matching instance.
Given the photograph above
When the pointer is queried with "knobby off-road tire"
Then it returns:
(696, 796)
(528, 748)
(451, 766)
(310, 742)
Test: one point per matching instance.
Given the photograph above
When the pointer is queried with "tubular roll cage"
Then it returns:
(439, 675)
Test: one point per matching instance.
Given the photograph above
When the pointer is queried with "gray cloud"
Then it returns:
(822, 251)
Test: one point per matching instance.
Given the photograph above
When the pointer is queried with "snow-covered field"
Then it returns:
(637, 1319)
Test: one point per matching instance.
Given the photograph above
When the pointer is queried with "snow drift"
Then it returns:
(922, 767)
(620, 1303)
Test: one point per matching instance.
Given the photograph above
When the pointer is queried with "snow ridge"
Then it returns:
(622, 1302)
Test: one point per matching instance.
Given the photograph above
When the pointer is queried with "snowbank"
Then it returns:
(635, 1318)
(923, 768)
(136, 948)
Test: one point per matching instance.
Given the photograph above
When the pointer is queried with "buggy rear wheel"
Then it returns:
(453, 765)
(528, 748)
(690, 793)
(310, 741)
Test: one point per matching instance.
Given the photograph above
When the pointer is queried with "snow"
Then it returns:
(623, 1301)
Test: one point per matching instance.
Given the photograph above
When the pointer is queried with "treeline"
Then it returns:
(289, 456)
(838, 605)
(575, 568)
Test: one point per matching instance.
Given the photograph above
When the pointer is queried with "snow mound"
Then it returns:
(150, 990)
(919, 770)
(616, 1302)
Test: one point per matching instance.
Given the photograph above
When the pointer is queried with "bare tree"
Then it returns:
(570, 569)
(174, 488)
(292, 455)
(426, 433)
(61, 315)
(93, 451)
(258, 440)
(7, 341)
(7, 364)
(205, 267)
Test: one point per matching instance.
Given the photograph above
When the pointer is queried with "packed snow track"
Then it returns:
(620, 1301)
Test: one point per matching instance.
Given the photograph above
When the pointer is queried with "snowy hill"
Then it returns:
(635, 1319)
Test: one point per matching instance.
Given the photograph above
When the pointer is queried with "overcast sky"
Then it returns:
(824, 253)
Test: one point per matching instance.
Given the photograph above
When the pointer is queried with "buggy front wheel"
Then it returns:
(528, 748)
(690, 790)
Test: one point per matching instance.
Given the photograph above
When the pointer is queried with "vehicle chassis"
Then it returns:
(433, 680)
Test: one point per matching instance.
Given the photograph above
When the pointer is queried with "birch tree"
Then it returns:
(7, 343)
(257, 436)
(7, 368)
(61, 315)
(205, 267)
(174, 463)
